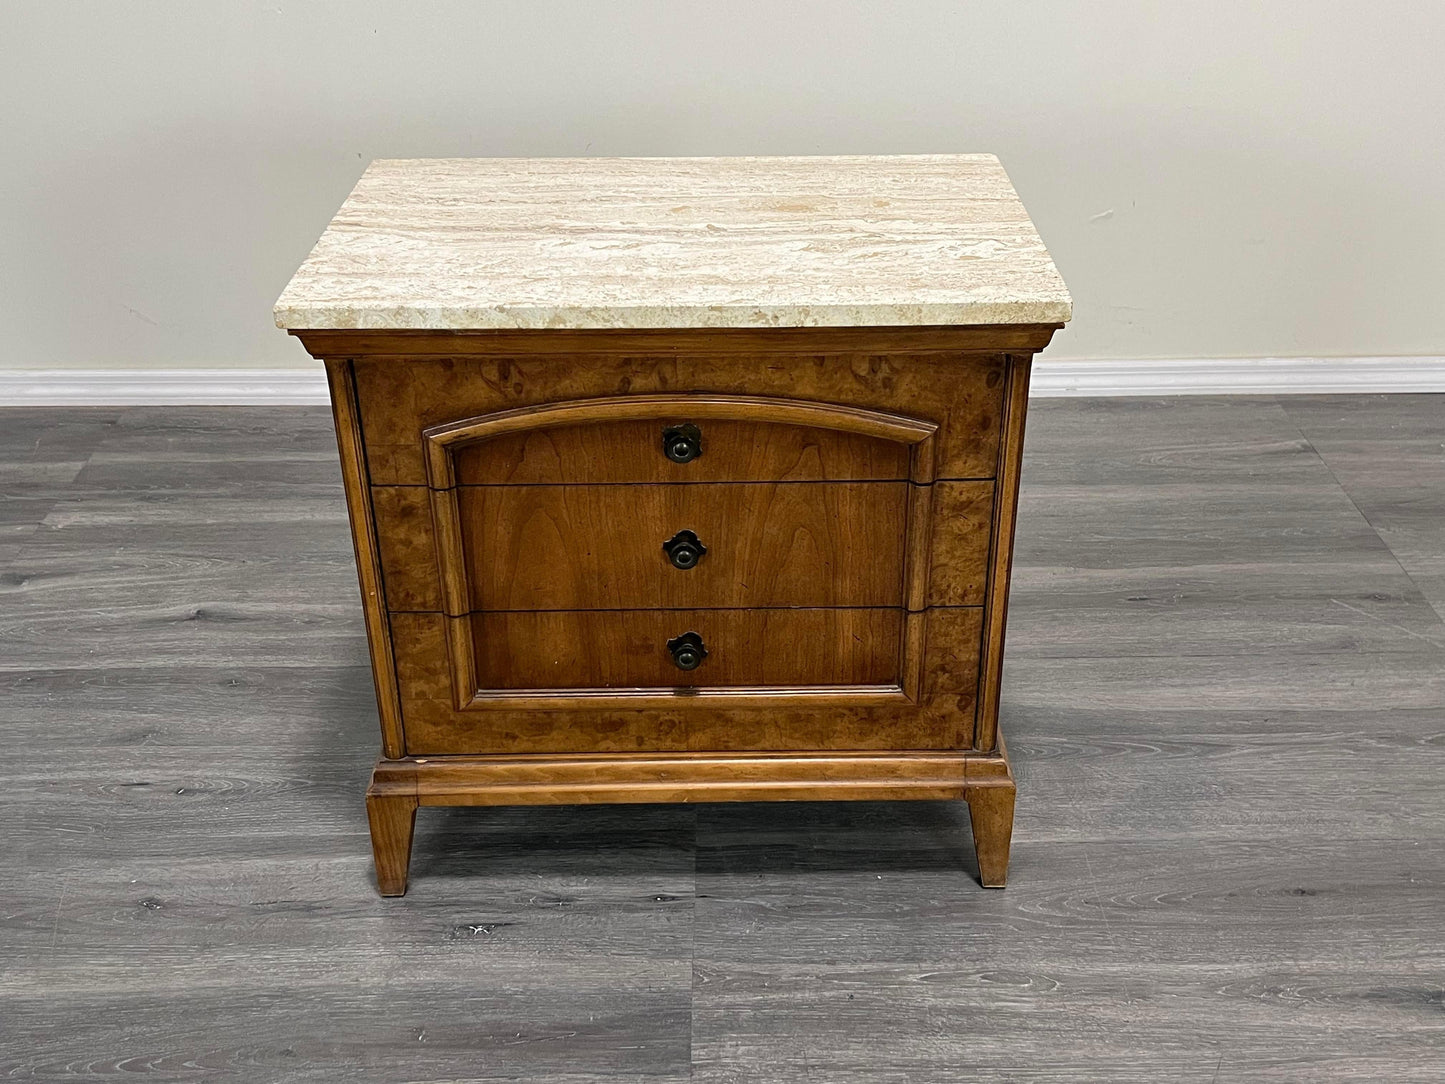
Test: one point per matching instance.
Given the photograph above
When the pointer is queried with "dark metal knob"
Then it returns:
(688, 651)
(682, 443)
(684, 550)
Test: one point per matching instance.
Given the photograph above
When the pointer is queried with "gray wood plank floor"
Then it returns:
(1212, 879)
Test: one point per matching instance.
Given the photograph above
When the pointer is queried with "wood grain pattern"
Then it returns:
(406, 547)
(960, 523)
(628, 648)
(590, 778)
(683, 342)
(759, 415)
(941, 716)
(549, 595)
(468, 694)
(955, 549)
(631, 451)
(1010, 468)
(600, 547)
(991, 814)
(340, 378)
(960, 393)
(392, 817)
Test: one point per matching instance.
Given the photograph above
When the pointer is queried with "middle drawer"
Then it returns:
(585, 547)
(600, 547)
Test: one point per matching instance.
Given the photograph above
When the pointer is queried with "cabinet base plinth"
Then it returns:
(399, 786)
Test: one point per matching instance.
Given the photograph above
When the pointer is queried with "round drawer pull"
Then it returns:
(682, 443)
(684, 550)
(688, 651)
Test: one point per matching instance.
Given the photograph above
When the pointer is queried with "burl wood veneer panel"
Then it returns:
(962, 519)
(942, 718)
(961, 393)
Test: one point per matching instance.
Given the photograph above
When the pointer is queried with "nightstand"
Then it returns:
(681, 480)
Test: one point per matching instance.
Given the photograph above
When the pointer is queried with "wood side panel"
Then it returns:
(941, 719)
(1006, 496)
(764, 342)
(368, 560)
(601, 547)
(407, 547)
(961, 530)
(628, 649)
(950, 669)
(961, 394)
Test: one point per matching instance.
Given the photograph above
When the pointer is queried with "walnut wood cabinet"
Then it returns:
(679, 563)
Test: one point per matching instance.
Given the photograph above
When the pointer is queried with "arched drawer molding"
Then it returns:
(461, 517)
(617, 439)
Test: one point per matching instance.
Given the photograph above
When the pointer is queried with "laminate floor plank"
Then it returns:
(1197, 527)
(41, 452)
(1114, 959)
(1224, 695)
(216, 450)
(51, 444)
(1166, 442)
(1388, 454)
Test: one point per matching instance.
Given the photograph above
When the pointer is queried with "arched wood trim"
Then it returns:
(441, 441)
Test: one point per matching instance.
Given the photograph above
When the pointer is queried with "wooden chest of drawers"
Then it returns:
(684, 557)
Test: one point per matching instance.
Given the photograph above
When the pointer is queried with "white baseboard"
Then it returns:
(1238, 376)
(1172, 376)
(162, 387)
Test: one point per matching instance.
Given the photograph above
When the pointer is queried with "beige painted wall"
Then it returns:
(1214, 179)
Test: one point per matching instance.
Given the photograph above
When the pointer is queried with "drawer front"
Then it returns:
(709, 715)
(750, 545)
(400, 398)
(648, 649)
(711, 450)
(958, 546)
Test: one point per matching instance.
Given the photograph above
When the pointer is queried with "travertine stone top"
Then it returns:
(677, 243)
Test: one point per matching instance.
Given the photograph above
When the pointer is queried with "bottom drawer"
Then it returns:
(445, 712)
(657, 649)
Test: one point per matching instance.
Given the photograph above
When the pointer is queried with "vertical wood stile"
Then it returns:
(356, 483)
(1005, 512)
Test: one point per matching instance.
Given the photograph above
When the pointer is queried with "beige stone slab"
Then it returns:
(678, 242)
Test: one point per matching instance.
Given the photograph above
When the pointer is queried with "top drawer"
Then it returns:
(678, 439)
(734, 400)
(680, 450)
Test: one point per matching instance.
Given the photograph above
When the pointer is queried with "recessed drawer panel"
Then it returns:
(709, 450)
(664, 649)
(450, 712)
(686, 546)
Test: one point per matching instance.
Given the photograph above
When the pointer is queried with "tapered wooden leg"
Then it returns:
(393, 817)
(991, 808)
